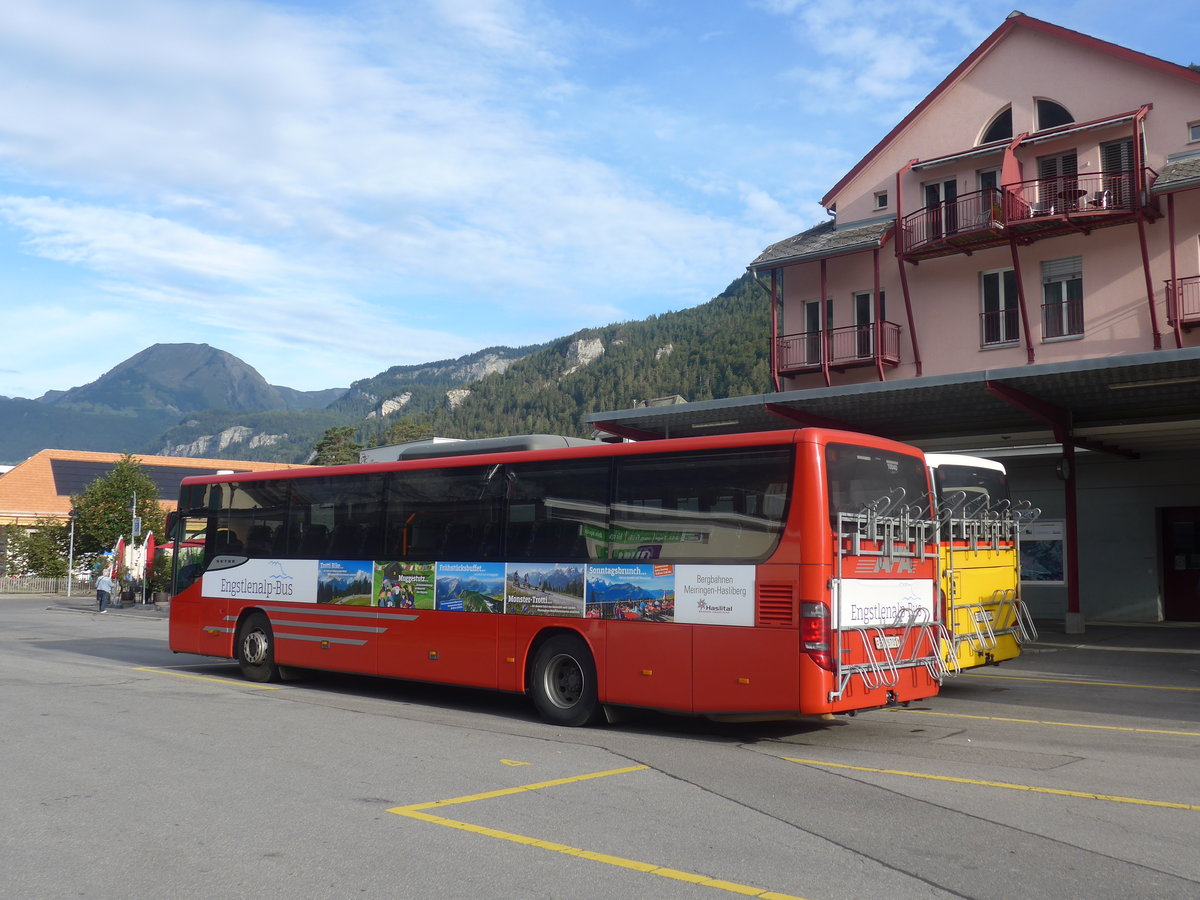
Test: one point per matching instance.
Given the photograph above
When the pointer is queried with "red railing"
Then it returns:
(1183, 300)
(1062, 319)
(1000, 326)
(986, 214)
(1088, 192)
(850, 345)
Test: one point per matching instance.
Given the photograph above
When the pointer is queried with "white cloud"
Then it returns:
(877, 56)
(296, 157)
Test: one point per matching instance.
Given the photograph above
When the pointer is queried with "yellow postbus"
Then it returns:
(979, 561)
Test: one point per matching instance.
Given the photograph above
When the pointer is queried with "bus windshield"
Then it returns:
(980, 488)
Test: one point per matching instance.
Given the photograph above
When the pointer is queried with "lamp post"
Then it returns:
(71, 553)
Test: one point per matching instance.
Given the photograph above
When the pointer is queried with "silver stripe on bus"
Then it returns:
(366, 628)
(322, 610)
(318, 638)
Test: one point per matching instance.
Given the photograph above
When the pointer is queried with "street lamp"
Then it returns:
(71, 553)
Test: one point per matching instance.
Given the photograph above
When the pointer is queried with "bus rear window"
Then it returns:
(862, 478)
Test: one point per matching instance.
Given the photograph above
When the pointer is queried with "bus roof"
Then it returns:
(934, 460)
(584, 450)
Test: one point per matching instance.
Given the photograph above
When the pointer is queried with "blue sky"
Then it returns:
(326, 189)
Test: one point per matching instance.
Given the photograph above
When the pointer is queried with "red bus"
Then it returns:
(749, 576)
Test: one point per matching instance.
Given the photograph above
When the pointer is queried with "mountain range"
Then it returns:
(196, 400)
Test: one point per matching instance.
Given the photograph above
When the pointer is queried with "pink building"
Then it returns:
(1014, 270)
(1039, 205)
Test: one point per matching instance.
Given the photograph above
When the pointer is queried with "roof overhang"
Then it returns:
(1129, 405)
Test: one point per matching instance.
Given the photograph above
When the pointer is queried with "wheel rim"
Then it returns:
(564, 681)
(255, 647)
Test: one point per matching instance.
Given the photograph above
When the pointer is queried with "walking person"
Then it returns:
(104, 588)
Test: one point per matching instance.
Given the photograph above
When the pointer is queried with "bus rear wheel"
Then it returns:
(563, 685)
(256, 649)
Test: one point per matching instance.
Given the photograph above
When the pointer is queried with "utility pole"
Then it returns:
(71, 554)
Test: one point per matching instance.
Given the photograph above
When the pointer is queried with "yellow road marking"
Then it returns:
(515, 762)
(998, 784)
(1122, 684)
(250, 684)
(929, 712)
(416, 811)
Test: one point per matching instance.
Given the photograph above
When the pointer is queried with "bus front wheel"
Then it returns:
(563, 685)
(256, 649)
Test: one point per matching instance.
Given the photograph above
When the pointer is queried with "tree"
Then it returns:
(404, 431)
(104, 511)
(41, 550)
(337, 447)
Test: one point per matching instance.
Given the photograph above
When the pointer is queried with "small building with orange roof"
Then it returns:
(42, 486)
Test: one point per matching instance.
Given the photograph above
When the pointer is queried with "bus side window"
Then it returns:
(444, 514)
(556, 508)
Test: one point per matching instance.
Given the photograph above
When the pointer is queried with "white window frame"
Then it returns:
(1058, 276)
(864, 301)
(1005, 339)
(815, 341)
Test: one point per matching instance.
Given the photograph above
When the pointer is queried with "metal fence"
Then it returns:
(28, 584)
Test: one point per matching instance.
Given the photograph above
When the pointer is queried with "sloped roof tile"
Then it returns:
(824, 240)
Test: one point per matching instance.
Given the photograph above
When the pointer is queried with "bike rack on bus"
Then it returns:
(887, 529)
(983, 527)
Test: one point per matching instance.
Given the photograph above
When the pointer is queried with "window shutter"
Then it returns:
(1062, 269)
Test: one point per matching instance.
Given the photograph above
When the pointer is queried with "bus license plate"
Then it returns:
(887, 642)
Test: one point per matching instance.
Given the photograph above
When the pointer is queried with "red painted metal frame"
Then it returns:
(1016, 261)
(1174, 312)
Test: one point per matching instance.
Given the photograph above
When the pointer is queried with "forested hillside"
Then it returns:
(194, 400)
(717, 349)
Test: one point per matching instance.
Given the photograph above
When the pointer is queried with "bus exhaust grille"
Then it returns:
(776, 604)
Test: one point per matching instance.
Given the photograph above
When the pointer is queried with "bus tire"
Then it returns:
(256, 649)
(563, 685)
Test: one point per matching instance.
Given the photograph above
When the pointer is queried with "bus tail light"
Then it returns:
(815, 634)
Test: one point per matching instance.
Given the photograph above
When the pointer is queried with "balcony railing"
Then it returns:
(850, 345)
(998, 327)
(1050, 205)
(1183, 300)
(1062, 319)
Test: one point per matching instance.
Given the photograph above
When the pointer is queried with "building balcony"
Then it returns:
(838, 348)
(1183, 301)
(1027, 211)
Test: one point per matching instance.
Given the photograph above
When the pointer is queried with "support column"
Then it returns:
(1074, 623)
(1058, 419)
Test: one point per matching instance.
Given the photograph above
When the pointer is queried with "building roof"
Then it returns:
(1179, 175)
(1015, 20)
(41, 486)
(823, 241)
(1137, 404)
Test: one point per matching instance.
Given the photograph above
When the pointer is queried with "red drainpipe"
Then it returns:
(878, 329)
(900, 238)
(1143, 198)
(774, 331)
(826, 336)
(1173, 293)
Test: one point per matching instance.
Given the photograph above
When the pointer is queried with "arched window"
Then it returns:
(1051, 115)
(1000, 128)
